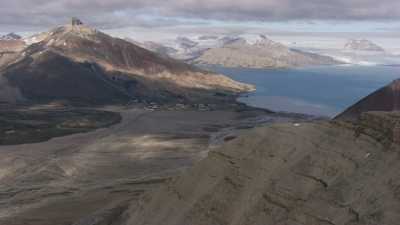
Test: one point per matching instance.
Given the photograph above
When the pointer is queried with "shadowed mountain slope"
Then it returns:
(384, 99)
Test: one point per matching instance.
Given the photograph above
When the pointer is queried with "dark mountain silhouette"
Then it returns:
(384, 99)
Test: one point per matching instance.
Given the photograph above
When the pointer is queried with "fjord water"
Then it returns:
(322, 91)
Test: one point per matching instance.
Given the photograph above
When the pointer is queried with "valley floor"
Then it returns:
(66, 179)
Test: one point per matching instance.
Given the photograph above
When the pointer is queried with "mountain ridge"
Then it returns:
(362, 45)
(386, 98)
(263, 53)
(10, 37)
(122, 64)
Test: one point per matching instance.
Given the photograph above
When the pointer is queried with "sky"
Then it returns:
(369, 16)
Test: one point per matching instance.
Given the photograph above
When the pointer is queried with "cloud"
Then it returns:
(112, 13)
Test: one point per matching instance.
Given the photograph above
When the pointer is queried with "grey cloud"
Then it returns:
(111, 13)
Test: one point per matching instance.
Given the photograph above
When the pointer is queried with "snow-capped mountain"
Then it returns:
(362, 45)
(10, 37)
(361, 52)
(247, 50)
(10, 45)
(260, 52)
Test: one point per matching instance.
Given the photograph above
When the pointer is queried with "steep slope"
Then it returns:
(314, 174)
(50, 76)
(76, 62)
(264, 53)
(384, 99)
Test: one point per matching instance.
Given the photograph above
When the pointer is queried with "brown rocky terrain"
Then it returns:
(181, 164)
(326, 173)
(90, 178)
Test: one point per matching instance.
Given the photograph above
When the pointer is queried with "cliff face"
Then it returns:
(325, 173)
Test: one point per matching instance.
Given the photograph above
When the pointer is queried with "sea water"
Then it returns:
(322, 90)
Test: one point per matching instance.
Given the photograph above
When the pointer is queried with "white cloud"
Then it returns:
(114, 13)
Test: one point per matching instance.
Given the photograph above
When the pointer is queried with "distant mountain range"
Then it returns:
(79, 64)
(154, 47)
(234, 51)
(10, 45)
(10, 37)
(362, 45)
(360, 52)
(263, 53)
(200, 49)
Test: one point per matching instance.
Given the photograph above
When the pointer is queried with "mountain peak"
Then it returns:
(76, 21)
(80, 63)
(10, 37)
(362, 45)
(263, 40)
